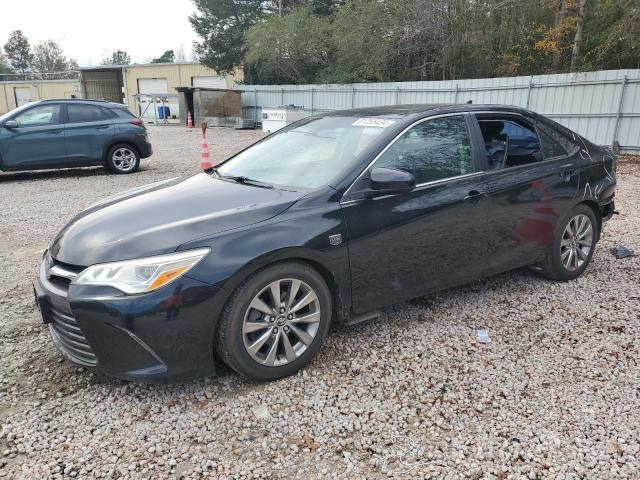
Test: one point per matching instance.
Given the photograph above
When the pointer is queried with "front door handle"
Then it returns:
(53, 132)
(474, 196)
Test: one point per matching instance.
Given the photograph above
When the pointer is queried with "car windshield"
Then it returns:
(308, 155)
(14, 111)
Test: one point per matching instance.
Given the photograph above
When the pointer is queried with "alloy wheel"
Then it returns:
(281, 322)
(124, 159)
(576, 242)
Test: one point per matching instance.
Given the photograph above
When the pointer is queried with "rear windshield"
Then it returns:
(307, 155)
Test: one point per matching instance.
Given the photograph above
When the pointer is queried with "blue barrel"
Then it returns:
(164, 112)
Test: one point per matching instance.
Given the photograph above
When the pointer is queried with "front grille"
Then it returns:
(71, 339)
(61, 274)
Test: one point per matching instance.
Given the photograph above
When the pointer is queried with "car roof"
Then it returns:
(401, 111)
(85, 101)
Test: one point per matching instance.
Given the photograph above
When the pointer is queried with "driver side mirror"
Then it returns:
(387, 181)
(11, 124)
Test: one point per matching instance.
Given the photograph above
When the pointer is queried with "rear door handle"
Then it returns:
(53, 132)
(102, 127)
(474, 196)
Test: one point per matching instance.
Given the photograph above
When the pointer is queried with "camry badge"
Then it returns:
(335, 239)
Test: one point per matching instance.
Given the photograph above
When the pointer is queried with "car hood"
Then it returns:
(158, 218)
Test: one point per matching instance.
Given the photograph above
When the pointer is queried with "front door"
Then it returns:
(531, 184)
(405, 245)
(89, 129)
(37, 141)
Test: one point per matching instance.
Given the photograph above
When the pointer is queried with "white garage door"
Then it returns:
(23, 95)
(155, 86)
(209, 82)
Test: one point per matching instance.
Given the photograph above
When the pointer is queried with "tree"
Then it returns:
(222, 25)
(18, 51)
(167, 57)
(119, 57)
(48, 57)
(577, 39)
(293, 48)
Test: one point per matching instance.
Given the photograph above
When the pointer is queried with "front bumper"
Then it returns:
(162, 336)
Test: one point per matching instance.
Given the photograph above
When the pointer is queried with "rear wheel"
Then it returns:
(275, 322)
(123, 158)
(574, 243)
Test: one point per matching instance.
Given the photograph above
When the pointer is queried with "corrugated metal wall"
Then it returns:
(40, 90)
(602, 106)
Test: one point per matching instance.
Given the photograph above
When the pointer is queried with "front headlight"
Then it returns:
(143, 274)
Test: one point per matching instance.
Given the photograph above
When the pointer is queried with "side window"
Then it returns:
(554, 142)
(509, 142)
(432, 150)
(84, 113)
(41, 115)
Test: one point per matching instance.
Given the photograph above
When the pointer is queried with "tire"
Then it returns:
(555, 265)
(123, 158)
(242, 327)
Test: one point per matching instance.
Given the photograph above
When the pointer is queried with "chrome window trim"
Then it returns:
(395, 139)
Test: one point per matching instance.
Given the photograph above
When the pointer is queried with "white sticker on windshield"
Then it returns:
(373, 122)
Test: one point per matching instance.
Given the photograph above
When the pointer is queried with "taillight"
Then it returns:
(138, 122)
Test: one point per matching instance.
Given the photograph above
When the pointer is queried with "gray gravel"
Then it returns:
(555, 394)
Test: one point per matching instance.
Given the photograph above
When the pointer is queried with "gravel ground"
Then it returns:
(555, 394)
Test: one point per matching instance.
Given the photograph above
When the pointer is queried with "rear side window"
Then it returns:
(123, 113)
(555, 143)
(509, 142)
(86, 113)
(432, 150)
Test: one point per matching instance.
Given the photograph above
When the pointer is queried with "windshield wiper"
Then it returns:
(244, 180)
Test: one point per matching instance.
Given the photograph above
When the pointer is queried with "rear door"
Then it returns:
(88, 129)
(38, 141)
(402, 246)
(531, 184)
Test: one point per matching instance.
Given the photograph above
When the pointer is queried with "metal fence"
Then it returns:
(603, 106)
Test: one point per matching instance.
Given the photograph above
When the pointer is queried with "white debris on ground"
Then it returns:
(555, 394)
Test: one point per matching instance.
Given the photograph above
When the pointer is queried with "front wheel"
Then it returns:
(275, 322)
(123, 158)
(573, 246)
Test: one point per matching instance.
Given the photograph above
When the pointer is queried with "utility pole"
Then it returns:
(280, 7)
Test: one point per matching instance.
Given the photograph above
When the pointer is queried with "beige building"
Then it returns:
(16, 93)
(146, 87)
(142, 87)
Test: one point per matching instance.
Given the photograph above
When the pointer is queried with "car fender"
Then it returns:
(238, 253)
(119, 139)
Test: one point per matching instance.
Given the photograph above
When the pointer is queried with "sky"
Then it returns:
(89, 30)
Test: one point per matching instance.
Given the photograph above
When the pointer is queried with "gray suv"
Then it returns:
(72, 133)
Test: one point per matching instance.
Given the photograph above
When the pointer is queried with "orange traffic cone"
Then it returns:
(205, 158)
(189, 120)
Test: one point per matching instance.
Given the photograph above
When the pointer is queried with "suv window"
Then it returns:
(555, 143)
(40, 115)
(509, 142)
(432, 150)
(85, 113)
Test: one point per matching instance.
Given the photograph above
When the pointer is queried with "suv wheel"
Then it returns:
(275, 322)
(573, 246)
(123, 158)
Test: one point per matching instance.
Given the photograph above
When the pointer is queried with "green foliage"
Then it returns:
(293, 48)
(18, 51)
(48, 57)
(222, 25)
(167, 57)
(119, 57)
(403, 40)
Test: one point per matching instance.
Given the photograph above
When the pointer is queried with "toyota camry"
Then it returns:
(327, 220)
